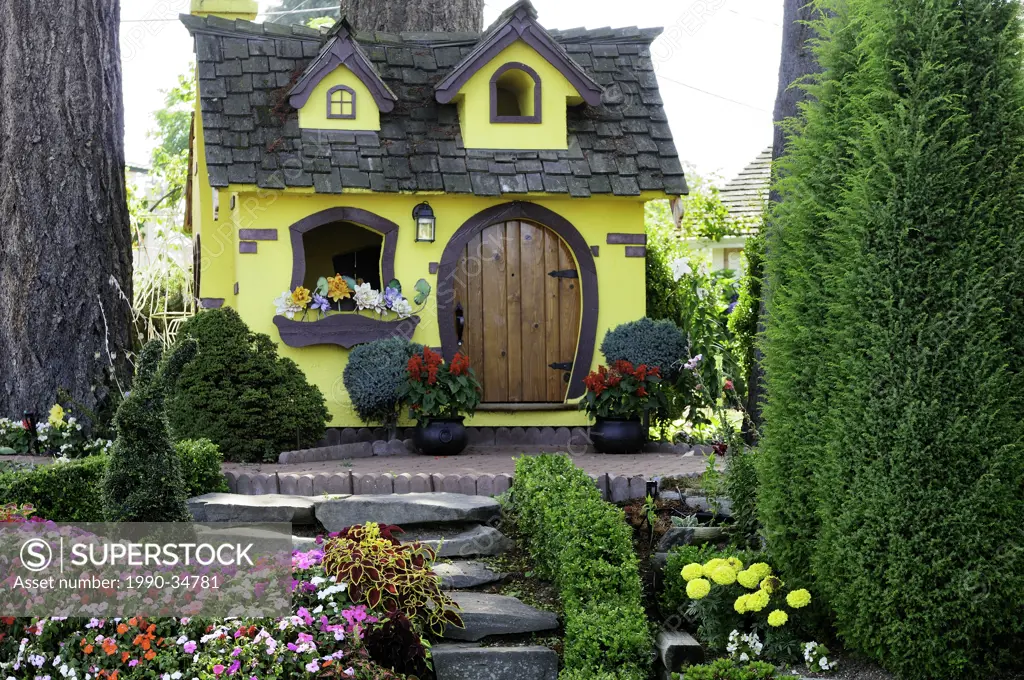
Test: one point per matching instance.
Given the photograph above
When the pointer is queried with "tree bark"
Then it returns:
(796, 63)
(66, 266)
(395, 16)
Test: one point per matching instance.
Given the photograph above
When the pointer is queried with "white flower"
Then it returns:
(744, 657)
(680, 268)
(702, 269)
(402, 308)
(368, 298)
(285, 306)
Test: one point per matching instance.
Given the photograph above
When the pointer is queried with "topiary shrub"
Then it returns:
(242, 396)
(200, 466)
(374, 376)
(62, 492)
(143, 481)
(645, 341)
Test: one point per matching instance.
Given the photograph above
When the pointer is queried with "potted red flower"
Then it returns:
(439, 396)
(618, 399)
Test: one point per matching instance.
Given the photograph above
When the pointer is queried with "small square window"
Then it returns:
(341, 103)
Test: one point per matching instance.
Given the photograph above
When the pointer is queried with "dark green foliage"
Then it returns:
(741, 488)
(743, 321)
(143, 481)
(666, 299)
(892, 459)
(200, 466)
(62, 492)
(645, 341)
(585, 547)
(727, 669)
(374, 375)
(241, 395)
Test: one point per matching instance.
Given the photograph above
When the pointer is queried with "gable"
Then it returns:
(332, 100)
(527, 74)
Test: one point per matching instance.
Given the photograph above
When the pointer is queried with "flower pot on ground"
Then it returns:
(619, 399)
(439, 396)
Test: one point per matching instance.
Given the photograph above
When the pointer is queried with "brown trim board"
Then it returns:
(627, 239)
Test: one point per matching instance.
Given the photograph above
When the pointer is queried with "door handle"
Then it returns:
(460, 321)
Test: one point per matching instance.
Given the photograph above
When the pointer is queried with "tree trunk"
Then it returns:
(797, 62)
(395, 16)
(66, 266)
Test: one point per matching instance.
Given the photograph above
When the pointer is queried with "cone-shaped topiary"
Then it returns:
(143, 482)
(242, 396)
(894, 452)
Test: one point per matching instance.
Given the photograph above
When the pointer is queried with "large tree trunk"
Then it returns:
(395, 16)
(65, 241)
(797, 62)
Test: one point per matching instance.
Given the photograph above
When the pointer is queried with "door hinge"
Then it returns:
(565, 274)
(565, 366)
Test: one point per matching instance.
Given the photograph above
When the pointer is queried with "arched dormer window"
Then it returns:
(515, 94)
(341, 103)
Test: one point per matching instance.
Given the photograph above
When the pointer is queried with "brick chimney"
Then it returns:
(227, 9)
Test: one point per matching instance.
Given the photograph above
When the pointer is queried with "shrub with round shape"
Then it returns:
(374, 376)
(645, 341)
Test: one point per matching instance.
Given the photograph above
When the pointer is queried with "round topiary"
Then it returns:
(645, 341)
(242, 396)
(373, 376)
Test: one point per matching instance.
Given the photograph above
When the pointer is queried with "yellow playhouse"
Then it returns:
(507, 170)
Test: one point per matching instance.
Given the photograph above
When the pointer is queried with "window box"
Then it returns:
(344, 330)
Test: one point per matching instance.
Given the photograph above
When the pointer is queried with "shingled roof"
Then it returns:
(745, 195)
(622, 146)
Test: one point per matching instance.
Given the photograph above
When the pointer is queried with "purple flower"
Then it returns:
(391, 296)
(189, 647)
(218, 669)
(234, 667)
(320, 303)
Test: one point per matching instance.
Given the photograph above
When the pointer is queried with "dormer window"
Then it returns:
(341, 103)
(515, 94)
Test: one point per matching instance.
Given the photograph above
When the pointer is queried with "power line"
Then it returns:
(265, 14)
(713, 94)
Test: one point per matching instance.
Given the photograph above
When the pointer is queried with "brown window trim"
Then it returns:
(341, 104)
(515, 65)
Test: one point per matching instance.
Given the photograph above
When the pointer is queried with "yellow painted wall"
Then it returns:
(217, 238)
(474, 102)
(265, 275)
(228, 9)
(313, 114)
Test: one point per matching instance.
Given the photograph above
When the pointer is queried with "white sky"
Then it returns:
(712, 51)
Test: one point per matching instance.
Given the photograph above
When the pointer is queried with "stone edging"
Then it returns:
(616, 488)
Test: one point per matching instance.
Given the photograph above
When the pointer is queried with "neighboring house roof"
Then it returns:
(623, 146)
(518, 22)
(745, 195)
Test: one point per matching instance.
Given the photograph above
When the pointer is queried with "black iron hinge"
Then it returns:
(565, 274)
(565, 366)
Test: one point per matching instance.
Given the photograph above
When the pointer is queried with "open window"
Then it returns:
(515, 94)
(341, 103)
(343, 248)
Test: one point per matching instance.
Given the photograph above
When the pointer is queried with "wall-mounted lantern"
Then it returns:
(426, 223)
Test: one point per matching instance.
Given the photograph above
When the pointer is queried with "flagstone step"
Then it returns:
(468, 662)
(336, 513)
(270, 508)
(475, 541)
(465, 574)
(485, 614)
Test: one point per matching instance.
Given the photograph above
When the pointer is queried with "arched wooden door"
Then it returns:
(517, 303)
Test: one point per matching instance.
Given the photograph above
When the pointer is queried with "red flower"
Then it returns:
(432, 374)
(728, 384)
(623, 367)
(431, 358)
(415, 367)
(654, 370)
(614, 381)
(641, 392)
(459, 365)
(641, 372)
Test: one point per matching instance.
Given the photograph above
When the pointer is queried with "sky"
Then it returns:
(717, 64)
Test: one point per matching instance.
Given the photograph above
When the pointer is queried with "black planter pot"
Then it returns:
(441, 437)
(612, 435)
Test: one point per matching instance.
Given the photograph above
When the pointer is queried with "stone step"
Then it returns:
(465, 574)
(678, 648)
(229, 507)
(485, 614)
(466, 662)
(476, 541)
(336, 513)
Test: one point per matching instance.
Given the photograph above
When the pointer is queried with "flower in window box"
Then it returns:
(301, 297)
(285, 306)
(368, 298)
(402, 308)
(337, 288)
(320, 304)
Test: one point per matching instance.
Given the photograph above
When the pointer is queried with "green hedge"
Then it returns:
(584, 546)
(62, 492)
(200, 466)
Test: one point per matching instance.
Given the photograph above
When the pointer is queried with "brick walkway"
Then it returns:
(647, 465)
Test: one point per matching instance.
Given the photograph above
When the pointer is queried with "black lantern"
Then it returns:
(425, 222)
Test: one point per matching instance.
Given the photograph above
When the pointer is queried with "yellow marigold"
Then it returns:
(771, 584)
(758, 601)
(736, 565)
(724, 576)
(698, 588)
(711, 565)
(798, 598)
(748, 579)
(762, 570)
(692, 570)
(778, 618)
(301, 297)
(337, 289)
(56, 416)
(741, 604)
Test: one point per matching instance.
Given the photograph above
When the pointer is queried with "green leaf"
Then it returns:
(321, 286)
(350, 282)
(396, 284)
(423, 288)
